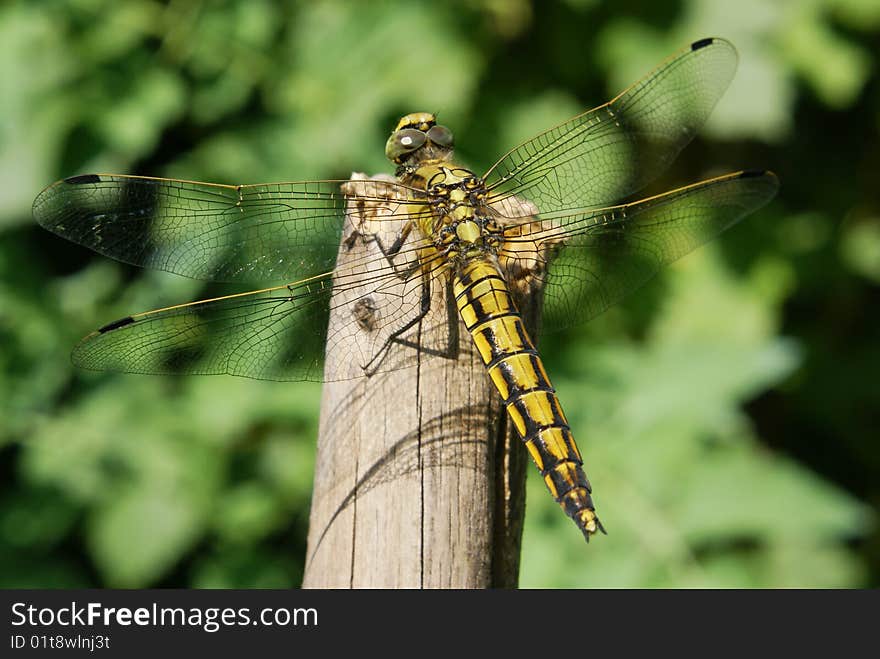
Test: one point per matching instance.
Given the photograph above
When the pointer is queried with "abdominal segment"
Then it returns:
(513, 363)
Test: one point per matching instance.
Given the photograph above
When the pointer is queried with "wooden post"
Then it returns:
(419, 478)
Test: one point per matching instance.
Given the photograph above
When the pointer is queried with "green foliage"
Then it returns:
(695, 500)
(727, 413)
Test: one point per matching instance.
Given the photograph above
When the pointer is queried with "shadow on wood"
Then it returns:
(419, 480)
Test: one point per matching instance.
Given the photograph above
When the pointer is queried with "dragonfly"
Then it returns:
(547, 214)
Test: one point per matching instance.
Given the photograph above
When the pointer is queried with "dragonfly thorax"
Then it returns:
(460, 223)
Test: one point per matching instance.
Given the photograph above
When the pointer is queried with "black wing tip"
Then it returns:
(116, 324)
(83, 178)
(702, 43)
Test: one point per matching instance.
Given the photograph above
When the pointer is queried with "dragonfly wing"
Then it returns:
(275, 232)
(277, 333)
(588, 261)
(604, 154)
(268, 335)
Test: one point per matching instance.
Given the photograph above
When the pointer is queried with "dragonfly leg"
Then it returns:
(402, 235)
(450, 351)
(394, 249)
(372, 366)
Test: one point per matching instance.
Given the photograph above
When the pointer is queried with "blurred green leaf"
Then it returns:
(861, 248)
(34, 120)
(836, 69)
(248, 513)
(238, 569)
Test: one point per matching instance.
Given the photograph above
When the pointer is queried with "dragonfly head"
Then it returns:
(416, 138)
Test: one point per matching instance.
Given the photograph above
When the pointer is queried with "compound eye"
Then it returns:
(410, 138)
(441, 135)
(404, 141)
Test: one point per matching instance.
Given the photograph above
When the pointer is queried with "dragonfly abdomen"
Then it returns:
(515, 368)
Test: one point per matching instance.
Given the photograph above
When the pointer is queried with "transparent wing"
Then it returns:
(273, 334)
(588, 261)
(605, 154)
(266, 233)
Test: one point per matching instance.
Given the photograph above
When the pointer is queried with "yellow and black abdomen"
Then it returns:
(488, 311)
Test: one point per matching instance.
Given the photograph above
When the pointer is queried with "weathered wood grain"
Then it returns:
(419, 480)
